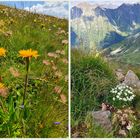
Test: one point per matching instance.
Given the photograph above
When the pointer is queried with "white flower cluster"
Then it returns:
(122, 92)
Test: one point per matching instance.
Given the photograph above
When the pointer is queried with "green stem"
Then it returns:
(26, 80)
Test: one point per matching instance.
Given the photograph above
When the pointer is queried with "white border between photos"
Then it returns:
(69, 94)
(69, 85)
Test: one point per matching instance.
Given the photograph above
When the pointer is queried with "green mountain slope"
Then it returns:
(92, 29)
(127, 51)
(97, 27)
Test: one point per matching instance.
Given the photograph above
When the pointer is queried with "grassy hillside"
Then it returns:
(94, 82)
(129, 50)
(92, 78)
(45, 113)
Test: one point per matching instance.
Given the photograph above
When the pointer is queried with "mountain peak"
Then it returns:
(98, 8)
(126, 5)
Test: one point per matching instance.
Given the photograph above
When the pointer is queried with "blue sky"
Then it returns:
(54, 8)
(21, 4)
(59, 8)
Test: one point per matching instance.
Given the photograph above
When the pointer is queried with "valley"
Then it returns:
(115, 31)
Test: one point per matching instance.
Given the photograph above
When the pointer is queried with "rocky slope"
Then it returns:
(96, 27)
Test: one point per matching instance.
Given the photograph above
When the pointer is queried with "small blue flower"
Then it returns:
(56, 123)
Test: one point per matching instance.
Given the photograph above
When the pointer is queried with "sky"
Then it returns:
(59, 8)
(112, 3)
(54, 8)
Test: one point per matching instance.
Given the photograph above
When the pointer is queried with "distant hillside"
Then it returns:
(126, 17)
(127, 51)
(102, 27)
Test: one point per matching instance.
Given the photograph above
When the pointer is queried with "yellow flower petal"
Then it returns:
(28, 53)
(2, 52)
(2, 85)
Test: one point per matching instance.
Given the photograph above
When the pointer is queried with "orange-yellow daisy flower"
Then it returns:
(28, 53)
(2, 85)
(2, 52)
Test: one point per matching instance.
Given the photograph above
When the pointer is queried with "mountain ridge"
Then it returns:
(124, 20)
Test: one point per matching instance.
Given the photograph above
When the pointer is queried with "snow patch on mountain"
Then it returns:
(116, 51)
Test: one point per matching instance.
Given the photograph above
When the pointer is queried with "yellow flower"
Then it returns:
(2, 86)
(2, 52)
(28, 53)
(97, 55)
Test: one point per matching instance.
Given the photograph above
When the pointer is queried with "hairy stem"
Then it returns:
(26, 80)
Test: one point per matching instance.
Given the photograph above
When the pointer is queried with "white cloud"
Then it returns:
(114, 3)
(57, 9)
(105, 3)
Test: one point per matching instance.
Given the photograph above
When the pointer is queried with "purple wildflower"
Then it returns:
(56, 123)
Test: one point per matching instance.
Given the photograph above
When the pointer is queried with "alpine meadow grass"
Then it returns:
(96, 90)
(92, 79)
(33, 83)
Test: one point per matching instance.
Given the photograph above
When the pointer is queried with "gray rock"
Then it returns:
(138, 84)
(102, 118)
(120, 70)
(75, 135)
(131, 79)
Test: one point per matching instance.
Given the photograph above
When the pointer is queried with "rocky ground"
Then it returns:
(103, 116)
(108, 116)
